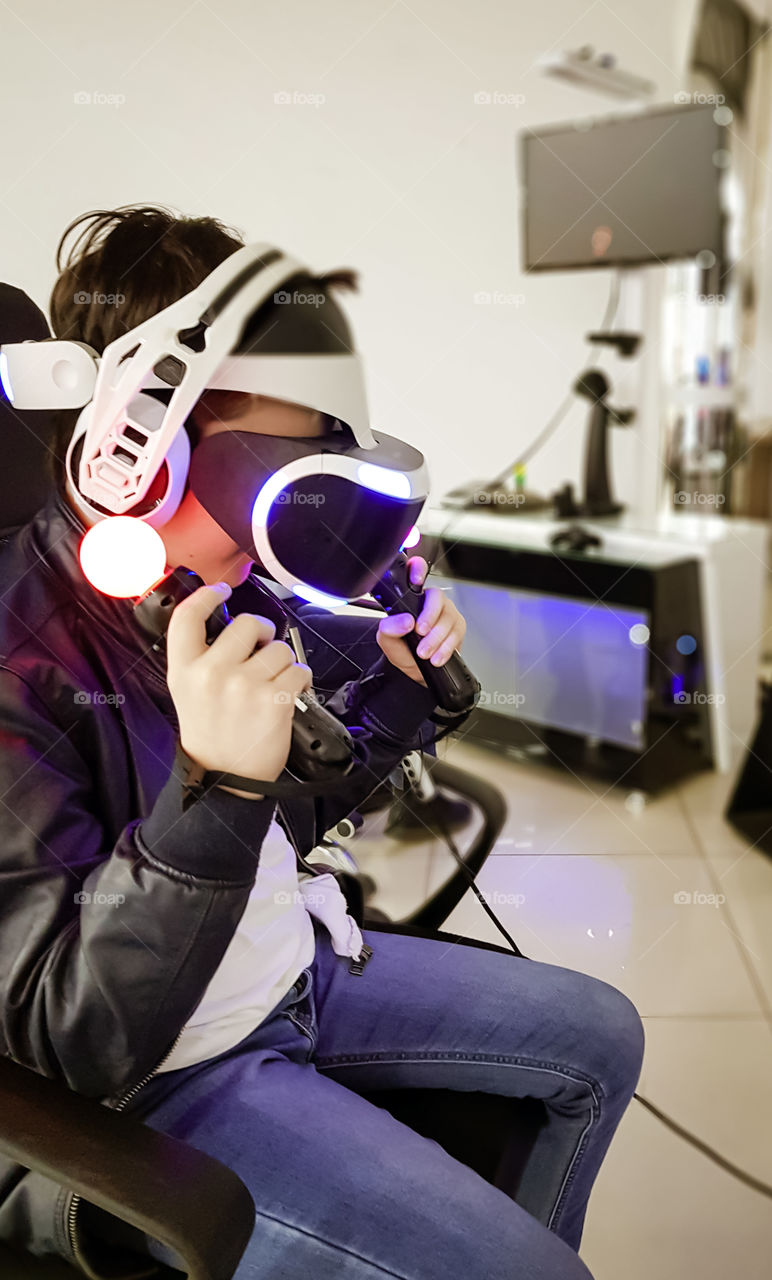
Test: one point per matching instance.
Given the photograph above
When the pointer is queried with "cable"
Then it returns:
(450, 842)
(469, 876)
(560, 413)
(748, 1179)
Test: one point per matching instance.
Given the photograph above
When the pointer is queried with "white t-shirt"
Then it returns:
(273, 943)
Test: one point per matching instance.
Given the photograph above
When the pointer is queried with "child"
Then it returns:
(146, 937)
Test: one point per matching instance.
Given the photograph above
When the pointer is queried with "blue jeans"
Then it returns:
(343, 1190)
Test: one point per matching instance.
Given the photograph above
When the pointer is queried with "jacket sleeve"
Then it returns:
(106, 950)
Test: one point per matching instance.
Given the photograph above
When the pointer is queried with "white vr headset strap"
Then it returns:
(332, 384)
(128, 434)
(127, 364)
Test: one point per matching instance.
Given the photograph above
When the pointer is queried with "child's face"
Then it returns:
(192, 537)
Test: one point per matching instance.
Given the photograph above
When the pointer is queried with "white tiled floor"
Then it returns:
(587, 877)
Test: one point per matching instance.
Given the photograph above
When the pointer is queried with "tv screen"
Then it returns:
(623, 190)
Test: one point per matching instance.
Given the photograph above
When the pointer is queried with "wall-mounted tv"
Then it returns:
(623, 190)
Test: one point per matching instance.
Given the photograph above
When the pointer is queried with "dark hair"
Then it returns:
(126, 265)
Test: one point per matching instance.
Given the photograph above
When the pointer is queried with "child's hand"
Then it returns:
(440, 623)
(235, 707)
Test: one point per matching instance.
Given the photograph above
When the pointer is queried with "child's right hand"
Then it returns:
(235, 711)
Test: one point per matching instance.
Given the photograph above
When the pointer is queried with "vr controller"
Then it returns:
(321, 748)
(453, 684)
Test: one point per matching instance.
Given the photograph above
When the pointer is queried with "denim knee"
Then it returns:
(620, 1038)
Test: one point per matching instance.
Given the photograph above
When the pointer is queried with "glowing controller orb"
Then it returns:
(122, 556)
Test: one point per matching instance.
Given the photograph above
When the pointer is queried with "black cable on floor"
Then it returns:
(748, 1179)
(741, 1175)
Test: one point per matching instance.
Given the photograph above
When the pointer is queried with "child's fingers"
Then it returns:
(434, 602)
(432, 641)
(448, 647)
(398, 625)
(417, 570)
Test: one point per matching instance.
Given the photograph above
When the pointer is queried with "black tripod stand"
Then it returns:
(594, 386)
(598, 499)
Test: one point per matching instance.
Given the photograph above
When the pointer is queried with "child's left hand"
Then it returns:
(440, 623)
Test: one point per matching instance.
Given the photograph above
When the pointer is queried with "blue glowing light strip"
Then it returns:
(5, 377)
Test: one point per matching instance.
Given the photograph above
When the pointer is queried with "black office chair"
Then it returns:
(154, 1182)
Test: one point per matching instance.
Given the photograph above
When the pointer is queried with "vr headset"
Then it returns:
(323, 515)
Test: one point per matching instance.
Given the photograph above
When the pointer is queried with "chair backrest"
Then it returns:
(25, 436)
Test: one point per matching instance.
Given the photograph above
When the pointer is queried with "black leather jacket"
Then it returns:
(116, 906)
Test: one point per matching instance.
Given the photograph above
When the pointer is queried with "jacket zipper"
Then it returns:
(72, 1212)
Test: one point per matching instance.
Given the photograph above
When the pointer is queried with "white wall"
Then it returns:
(399, 173)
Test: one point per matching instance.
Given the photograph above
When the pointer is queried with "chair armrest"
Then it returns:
(173, 1192)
